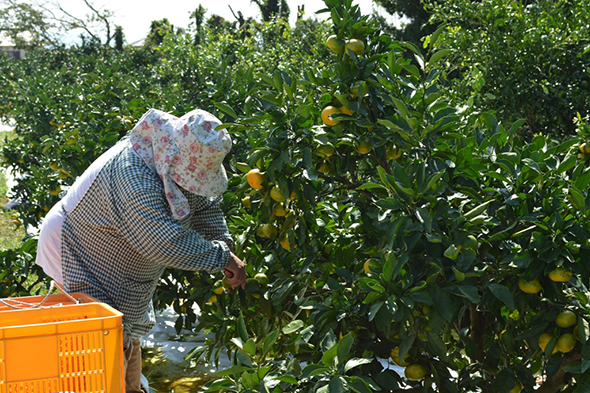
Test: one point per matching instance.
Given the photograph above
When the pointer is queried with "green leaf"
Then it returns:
(243, 167)
(269, 341)
(406, 345)
(344, 346)
(505, 380)
(434, 36)
(221, 384)
(437, 56)
(533, 332)
(503, 294)
(267, 79)
(226, 108)
(371, 185)
(232, 370)
(451, 252)
(355, 362)
(328, 358)
(490, 122)
(568, 162)
(401, 107)
(470, 292)
(374, 310)
(278, 81)
(432, 179)
(336, 385)
(436, 345)
(516, 126)
(524, 232)
(443, 303)
(413, 48)
(288, 379)
(476, 211)
(293, 327)
(250, 347)
(577, 199)
(313, 370)
(242, 331)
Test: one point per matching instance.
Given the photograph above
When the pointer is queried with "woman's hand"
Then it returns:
(235, 272)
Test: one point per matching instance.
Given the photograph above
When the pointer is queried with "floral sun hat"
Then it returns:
(185, 151)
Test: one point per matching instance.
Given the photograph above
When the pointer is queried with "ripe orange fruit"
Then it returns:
(285, 243)
(364, 145)
(566, 319)
(326, 112)
(335, 44)
(324, 168)
(279, 210)
(260, 231)
(276, 194)
(262, 279)
(55, 190)
(544, 339)
(529, 286)
(255, 178)
(327, 150)
(415, 372)
(246, 202)
(395, 357)
(566, 342)
(357, 46)
(269, 230)
(560, 274)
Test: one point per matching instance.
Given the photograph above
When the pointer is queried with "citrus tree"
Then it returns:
(382, 225)
(525, 60)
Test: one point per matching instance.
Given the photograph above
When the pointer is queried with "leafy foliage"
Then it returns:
(524, 60)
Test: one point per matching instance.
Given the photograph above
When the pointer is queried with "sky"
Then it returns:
(135, 16)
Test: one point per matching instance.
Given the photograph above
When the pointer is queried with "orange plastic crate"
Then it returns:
(61, 347)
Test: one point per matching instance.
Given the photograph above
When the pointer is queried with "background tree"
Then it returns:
(28, 26)
(219, 25)
(418, 16)
(45, 22)
(159, 29)
(199, 18)
(527, 60)
(273, 9)
(119, 38)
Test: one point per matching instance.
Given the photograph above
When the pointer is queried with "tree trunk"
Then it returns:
(561, 378)
(478, 326)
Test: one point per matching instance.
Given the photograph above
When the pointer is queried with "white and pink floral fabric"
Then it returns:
(185, 151)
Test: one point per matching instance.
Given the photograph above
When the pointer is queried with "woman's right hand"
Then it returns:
(235, 272)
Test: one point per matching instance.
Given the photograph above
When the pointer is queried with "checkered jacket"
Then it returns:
(121, 236)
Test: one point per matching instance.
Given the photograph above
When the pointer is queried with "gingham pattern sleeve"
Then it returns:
(147, 224)
(208, 219)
